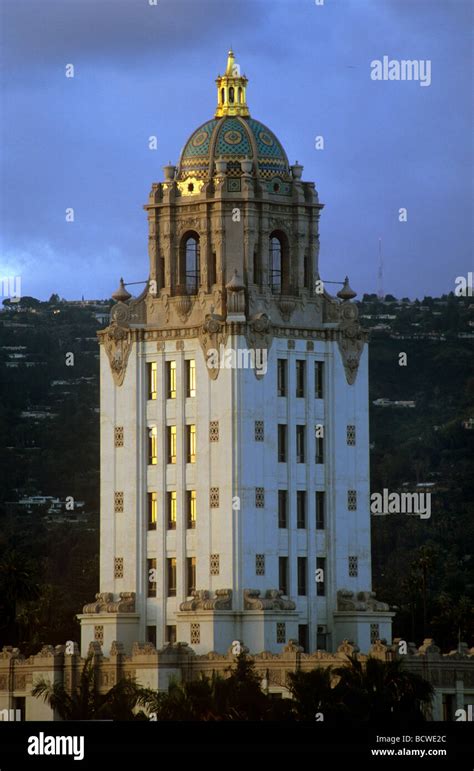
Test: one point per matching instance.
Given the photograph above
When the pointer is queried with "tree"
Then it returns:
(314, 693)
(85, 702)
(383, 690)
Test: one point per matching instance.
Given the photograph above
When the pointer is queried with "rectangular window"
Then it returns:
(152, 379)
(190, 575)
(171, 444)
(300, 509)
(300, 378)
(303, 638)
(321, 576)
(320, 512)
(260, 564)
(300, 444)
(283, 574)
(318, 379)
(171, 379)
(152, 446)
(282, 443)
(191, 443)
(151, 577)
(282, 508)
(151, 635)
(319, 449)
(302, 576)
(172, 509)
(171, 634)
(152, 510)
(191, 509)
(322, 638)
(282, 369)
(190, 378)
(171, 576)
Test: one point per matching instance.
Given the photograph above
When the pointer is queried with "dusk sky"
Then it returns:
(143, 70)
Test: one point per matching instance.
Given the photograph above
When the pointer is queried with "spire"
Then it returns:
(232, 90)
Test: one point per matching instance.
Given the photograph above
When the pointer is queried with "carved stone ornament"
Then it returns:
(104, 603)
(272, 600)
(259, 335)
(117, 344)
(287, 306)
(183, 304)
(351, 340)
(212, 335)
(360, 601)
(203, 600)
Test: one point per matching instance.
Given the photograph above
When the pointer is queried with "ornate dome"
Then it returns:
(233, 136)
(233, 139)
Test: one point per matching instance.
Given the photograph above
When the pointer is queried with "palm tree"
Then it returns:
(85, 702)
(383, 690)
(314, 693)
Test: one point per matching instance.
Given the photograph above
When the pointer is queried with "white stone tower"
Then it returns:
(234, 415)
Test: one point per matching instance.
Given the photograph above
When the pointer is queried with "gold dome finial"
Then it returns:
(232, 90)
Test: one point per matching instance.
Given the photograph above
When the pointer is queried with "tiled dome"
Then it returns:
(233, 139)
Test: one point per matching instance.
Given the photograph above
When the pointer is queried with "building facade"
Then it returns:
(234, 416)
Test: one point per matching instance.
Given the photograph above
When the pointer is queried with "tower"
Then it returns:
(234, 415)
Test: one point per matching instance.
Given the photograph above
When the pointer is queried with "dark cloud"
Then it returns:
(143, 70)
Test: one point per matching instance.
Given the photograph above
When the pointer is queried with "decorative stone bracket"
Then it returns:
(105, 603)
(272, 600)
(203, 600)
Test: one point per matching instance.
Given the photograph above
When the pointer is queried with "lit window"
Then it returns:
(152, 379)
(190, 377)
(152, 446)
(191, 436)
(171, 379)
(152, 511)
(191, 507)
(171, 444)
(172, 510)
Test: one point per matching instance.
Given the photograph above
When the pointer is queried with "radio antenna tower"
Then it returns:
(380, 290)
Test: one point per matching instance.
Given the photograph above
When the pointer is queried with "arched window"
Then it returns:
(222, 95)
(190, 263)
(231, 95)
(275, 264)
(279, 263)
